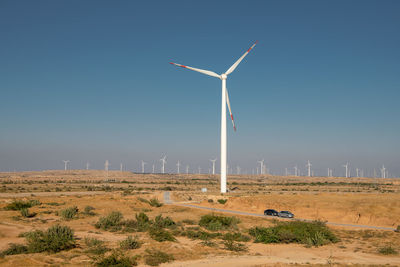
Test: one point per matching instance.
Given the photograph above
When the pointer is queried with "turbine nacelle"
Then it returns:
(224, 76)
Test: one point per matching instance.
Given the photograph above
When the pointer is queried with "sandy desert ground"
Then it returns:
(356, 201)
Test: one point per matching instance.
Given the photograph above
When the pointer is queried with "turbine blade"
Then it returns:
(207, 72)
(233, 67)
(230, 111)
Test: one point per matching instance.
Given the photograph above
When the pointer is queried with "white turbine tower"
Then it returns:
(178, 165)
(383, 171)
(106, 164)
(309, 168)
(261, 166)
(143, 163)
(163, 160)
(153, 168)
(346, 166)
(213, 165)
(87, 165)
(187, 169)
(65, 164)
(295, 170)
(199, 170)
(120, 167)
(224, 102)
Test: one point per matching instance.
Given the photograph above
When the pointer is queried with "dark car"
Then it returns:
(271, 212)
(286, 214)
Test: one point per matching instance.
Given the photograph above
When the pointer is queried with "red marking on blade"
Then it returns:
(234, 128)
(232, 117)
(172, 63)
(248, 50)
(183, 66)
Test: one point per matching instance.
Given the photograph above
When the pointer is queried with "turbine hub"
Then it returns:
(224, 76)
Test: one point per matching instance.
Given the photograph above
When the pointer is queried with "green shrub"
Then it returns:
(188, 221)
(387, 250)
(117, 259)
(143, 222)
(54, 239)
(234, 246)
(69, 213)
(111, 222)
(155, 203)
(208, 243)
(155, 257)
(143, 200)
(88, 210)
(398, 229)
(202, 235)
(210, 201)
(130, 243)
(20, 204)
(308, 233)
(166, 222)
(161, 235)
(214, 223)
(236, 237)
(15, 249)
(95, 246)
(25, 213)
(222, 201)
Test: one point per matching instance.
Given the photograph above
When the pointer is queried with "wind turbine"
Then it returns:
(261, 166)
(187, 169)
(347, 169)
(143, 163)
(178, 165)
(87, 165)
(120, 167)
(213, 164)
(163, 160)
(106, 164)
(383, 172)
(309, 168)
(224, 102)
(295, 170)
(65, 164)
(153, 168)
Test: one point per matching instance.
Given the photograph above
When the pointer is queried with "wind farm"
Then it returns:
(112, 156)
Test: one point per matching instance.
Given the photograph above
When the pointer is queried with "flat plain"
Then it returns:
(105, 208)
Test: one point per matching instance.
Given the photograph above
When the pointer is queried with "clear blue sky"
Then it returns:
(90, 80)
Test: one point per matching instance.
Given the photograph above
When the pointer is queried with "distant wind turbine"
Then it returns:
(106, 164)
(213, 165)
(65, 164)
(346, 166)
(295, 170)
(187, 169)
(143, 163)
(261, 166)
(309, 168)
(224, 102)
(178, 165)
(163, 160)
(383, 172)
(87, 165)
